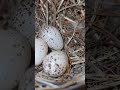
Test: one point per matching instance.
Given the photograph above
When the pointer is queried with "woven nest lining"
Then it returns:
(69, 18)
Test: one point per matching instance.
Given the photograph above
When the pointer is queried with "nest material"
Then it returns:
(103, 43)
(69, 18)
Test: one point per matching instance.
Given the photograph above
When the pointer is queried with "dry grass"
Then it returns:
(103, 43)
(69, 18)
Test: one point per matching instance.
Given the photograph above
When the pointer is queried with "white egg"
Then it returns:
(55, 63)
(15, 54)
(27, 82)
(23, 19)
(53, 37)
(41, 50)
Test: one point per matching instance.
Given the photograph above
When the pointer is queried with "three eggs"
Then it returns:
(56, 62)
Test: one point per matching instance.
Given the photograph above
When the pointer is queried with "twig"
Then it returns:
(92, 20)
(75, 26)
(105, 14)
(107, 33)
(60, 4)
(54, 9)
(42, 5)
(112, 84)
(68, 7)
(103, 58)
(47, 14)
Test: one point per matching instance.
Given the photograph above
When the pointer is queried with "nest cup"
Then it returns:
(69, 18)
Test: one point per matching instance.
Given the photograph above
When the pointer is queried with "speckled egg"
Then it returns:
(27, 82)
(55, 63)
(23, 19)
(15, 54)
(52, 36)
(41, 49)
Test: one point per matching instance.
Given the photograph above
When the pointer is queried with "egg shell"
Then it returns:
(15, 54)
(27, 82)
(55, 63)
(23, 19)
(53, 37)
(41, 49)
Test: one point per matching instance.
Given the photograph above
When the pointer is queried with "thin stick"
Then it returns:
(72, 34)
(103, 58)
(92, 20)
(69, 19)
(60, 4)
(110, 35)
(100, 87)
(42, 7)
(68, 7)
(47, 13)
(105, 14)
(54, 9)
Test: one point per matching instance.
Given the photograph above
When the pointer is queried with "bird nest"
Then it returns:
(69, 18)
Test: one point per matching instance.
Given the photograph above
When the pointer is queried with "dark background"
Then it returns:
(9, 19)
(102, 44)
